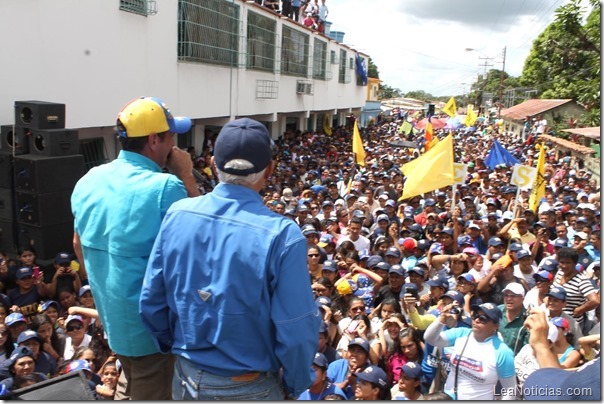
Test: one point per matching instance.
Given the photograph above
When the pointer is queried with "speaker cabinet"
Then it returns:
(41, 174)
(47, 240)
(54, 142)
(40, 114)
(6, 169)
(7, 205)
(43, 209)
(17, 138)
(8, 236)
(69, 387)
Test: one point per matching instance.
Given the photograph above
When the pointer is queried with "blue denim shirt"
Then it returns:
(118, 208)
(227, 287)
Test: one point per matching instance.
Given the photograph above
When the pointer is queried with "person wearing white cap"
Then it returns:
(512, 309)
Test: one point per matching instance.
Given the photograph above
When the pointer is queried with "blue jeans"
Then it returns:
(192, 383)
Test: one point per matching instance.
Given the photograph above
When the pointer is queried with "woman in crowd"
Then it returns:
(371, 385)
(315, 268)
(568, 355)
(53, 343)
(387, 341)
(408, 385)
(6, 343)
(76, 335)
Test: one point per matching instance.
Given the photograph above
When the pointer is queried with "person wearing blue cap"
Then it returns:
(408, 386)
(480, 359)
(118, 208)
(372, 384)
(322, 386)
(524, 268)
(244, 275)
(341, 371)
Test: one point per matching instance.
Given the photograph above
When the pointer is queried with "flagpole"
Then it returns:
(517, 204)
(453, 198)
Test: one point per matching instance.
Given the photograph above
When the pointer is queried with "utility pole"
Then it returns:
(501, 85)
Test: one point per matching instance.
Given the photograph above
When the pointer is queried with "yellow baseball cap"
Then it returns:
(148, 115)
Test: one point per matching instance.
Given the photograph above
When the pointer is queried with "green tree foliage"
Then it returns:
(388, 92)
(420, 95)
(372, 70)
(565, 60)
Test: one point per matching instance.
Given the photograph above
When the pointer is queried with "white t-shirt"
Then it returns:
(362, 243)
(480, 367)
(528, 278)
(69, 350)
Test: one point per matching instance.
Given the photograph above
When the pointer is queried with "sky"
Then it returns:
(420, 44)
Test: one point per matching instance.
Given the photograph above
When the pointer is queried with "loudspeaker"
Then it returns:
(72, 386)
(8, 236)
(6, 169)
(43, 209)
(430, 110)
(17, 138)
(7, 205)
(41, 174)
(47, 240)
(54, 142)
(40, 114)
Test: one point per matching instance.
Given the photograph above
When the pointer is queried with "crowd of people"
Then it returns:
(461, 292)
(309, 13)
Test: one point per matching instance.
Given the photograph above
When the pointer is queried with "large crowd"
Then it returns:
(400, 282)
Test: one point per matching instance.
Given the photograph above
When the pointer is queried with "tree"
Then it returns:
(388, 92)
(372, 70)
(565, 60)
(419, 95)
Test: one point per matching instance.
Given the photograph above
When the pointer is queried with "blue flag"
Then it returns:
(362, 69)
(499, 155)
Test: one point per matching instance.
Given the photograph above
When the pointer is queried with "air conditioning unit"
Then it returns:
(308, 88)
(300, 87)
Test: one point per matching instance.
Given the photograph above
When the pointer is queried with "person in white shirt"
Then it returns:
(354, 235)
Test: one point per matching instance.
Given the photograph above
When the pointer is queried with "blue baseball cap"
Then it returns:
(560, 243)
(397, 269)
(330, 265)
(495, 241)
(372, 261)
(515, 247)
(245, 139)
(454, 295)
(490, 310)
(557, 292)
(549, 264)
(363, 343)
(418, 270)
(439, 281)
(467, 277)
(308, 230)
(465, 239)
(27, 335)
(544, 275)
(523, 253)
(408, 288)
(373, 374)
(325, 240)
(323, 301)
(412, 370)
(45, 305)
(383, 265)
(583, 384)
(423, 244)
(14, 318)
(24, 272)
(393, 252)
(320, 360)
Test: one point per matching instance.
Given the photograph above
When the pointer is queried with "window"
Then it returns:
(260, 42)
(334, 58)
(319, 59)
(294, 52)
(135, 6)
(342, 70)
(94, 152)
(208, 31)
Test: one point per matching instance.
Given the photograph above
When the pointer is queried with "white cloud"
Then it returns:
(420, 44)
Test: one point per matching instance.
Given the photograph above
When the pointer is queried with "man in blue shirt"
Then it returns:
(227, 287)
(118, 208)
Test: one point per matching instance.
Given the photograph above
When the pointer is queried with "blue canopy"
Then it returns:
(499, 155)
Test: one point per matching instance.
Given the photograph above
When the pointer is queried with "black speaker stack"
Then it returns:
(39, 167)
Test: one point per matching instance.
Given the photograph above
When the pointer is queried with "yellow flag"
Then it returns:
(539, 185)
(470, 116)
(432, 170)
(450, 107)
(326, 125)
(357, 146)
(405, 128)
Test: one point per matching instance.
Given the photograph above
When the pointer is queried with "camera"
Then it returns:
(455, 311)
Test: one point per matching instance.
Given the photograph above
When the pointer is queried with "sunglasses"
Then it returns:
(71, 328)
(481, 318)
(313, 255)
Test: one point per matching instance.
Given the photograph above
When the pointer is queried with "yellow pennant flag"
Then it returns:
(357, 146)
(539, 185)
(432, 170)
(450, 107)
(470, 116)
(326, 125)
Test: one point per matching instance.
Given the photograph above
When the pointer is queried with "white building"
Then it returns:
(211, 60)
